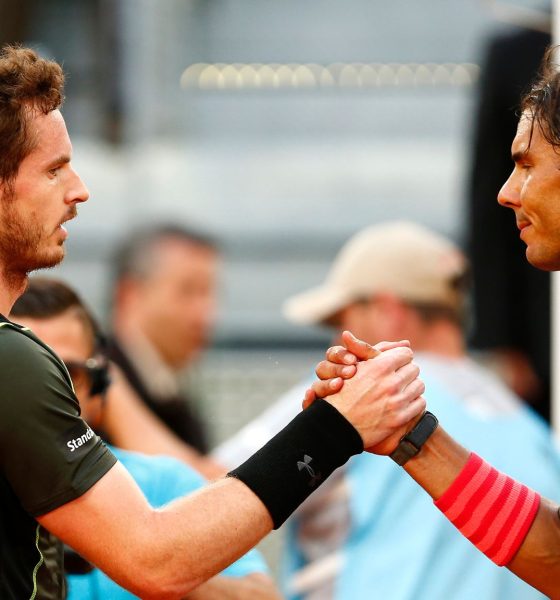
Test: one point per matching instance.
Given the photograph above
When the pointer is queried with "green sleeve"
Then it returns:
(48, 454)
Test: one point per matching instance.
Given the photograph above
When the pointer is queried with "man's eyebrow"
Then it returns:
(62, 159)
(519, 155)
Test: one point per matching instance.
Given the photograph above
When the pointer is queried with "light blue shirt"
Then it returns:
(162, 479)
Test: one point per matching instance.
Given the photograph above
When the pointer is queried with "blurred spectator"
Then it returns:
(511, 298)
(163, 310)
(58, 316)
(401, 281)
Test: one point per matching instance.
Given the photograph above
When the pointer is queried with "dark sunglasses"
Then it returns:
(92, 373)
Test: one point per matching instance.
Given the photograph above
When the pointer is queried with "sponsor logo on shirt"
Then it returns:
(76, 442)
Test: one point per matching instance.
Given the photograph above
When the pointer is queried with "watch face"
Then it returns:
(423, 429)
(413, 441)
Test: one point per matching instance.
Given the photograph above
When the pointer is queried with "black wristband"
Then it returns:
(286, 470)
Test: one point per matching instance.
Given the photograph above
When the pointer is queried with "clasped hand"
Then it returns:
(375, 387)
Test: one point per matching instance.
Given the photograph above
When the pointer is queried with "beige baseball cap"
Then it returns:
(400, 257)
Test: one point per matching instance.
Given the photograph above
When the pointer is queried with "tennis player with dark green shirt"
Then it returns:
(57, 477)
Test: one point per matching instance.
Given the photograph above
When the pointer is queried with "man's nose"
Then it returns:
(509, 196)
(78, 191)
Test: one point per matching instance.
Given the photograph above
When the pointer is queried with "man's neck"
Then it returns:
(12, 286)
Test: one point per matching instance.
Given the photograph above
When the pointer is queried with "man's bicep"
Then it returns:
(104, 524)
(48, 454)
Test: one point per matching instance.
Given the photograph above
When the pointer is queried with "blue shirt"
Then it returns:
(161, 479)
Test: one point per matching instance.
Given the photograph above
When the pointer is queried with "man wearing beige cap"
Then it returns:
(371, 530)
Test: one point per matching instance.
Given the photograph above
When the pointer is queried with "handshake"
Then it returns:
(376, 388)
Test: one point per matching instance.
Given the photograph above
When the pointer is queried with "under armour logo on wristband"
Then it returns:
(306, 464)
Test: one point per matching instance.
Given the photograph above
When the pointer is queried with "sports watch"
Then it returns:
(413, 441)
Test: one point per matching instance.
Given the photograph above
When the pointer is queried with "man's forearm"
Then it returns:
(537, 561)
(439, 462)
(163, 553)
(169, 552)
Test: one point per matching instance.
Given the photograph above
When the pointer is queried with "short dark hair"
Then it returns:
(134, 257)
(542, 101)
(45, 298)
(26, 82)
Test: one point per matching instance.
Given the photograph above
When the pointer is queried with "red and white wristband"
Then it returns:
(490, 509)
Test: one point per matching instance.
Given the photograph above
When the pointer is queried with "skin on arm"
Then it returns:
(162, 553)
(439, 463)
(132, 426)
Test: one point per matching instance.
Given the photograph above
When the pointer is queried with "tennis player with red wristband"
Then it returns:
(503, 518)
(510, 523)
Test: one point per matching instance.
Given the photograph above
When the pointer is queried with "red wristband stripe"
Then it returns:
(492, 516)
(477, 478)
(519, 533)
(486, 511)
(514, 533)
(502, 520)
(490, 509)
(447, 500)
(470, 514)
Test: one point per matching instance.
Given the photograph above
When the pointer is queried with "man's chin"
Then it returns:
(49, 261)
(544, 262)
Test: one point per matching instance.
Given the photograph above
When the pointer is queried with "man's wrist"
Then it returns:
(285, 471)
(438, 463)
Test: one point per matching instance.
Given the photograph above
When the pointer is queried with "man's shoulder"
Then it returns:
(20, 346)
(31, 373)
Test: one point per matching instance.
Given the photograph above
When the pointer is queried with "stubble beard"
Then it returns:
(21, 244)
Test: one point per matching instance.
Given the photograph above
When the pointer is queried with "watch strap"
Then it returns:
(413, 441)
